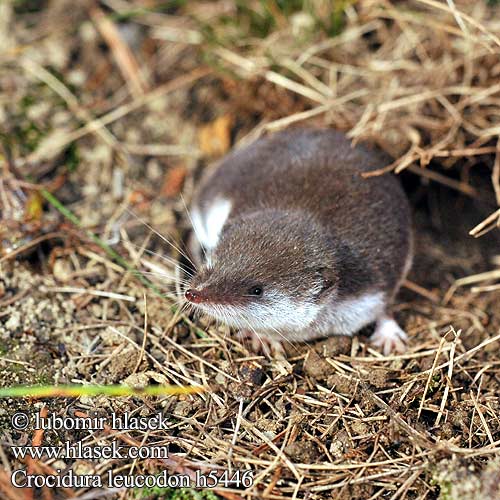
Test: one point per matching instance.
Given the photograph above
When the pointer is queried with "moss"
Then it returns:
(445, 490)
(29, 6)
(337, 18)
(17, 371)
(175, 494)
(72, 157)
(22, 132)
(457, 481)
(261, 19)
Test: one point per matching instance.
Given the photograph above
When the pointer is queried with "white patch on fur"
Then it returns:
(283, 313)
(208, 224)
(198, 226)
(273, 315)
(350, 315)
(389, 336)
(279, 315)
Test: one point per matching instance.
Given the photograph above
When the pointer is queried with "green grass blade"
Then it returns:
(74, 391)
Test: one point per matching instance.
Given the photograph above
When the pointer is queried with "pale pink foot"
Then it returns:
(261, 343)
(389, 337)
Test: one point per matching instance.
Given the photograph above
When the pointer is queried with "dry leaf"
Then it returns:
(215, 138)
(34, 207)
(174, 179)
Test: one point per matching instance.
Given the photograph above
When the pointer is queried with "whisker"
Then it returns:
(178, 283)
(166, 258)
(265, 348)
(164, 238)
(283, 337)
(194, 227)
(176, 301)
(169, 276)
(171, 261)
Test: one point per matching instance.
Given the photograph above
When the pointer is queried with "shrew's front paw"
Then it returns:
(261, 344)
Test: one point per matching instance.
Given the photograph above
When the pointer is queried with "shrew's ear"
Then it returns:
(328, 279)
(353, 271)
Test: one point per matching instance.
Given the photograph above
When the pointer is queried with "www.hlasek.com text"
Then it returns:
(81, 451)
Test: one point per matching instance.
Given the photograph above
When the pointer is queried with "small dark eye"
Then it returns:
(256, 290)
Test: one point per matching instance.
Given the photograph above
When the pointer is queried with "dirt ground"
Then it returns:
(114, 109)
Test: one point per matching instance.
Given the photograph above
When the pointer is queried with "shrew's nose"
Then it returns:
(193, 296)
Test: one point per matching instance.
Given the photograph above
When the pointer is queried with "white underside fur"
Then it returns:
(278, 316)
(299, 321)
(288, 320)
(348, 316)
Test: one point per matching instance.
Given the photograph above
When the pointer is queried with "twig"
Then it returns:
(145, 335)
(123, 55)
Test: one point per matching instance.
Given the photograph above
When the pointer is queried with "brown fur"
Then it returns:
(362, 234)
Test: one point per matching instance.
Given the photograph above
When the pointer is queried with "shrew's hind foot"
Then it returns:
(389, 337)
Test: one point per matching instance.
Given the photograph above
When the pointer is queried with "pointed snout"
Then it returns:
(193, 296)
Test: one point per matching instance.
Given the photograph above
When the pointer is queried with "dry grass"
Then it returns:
(114, 107)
